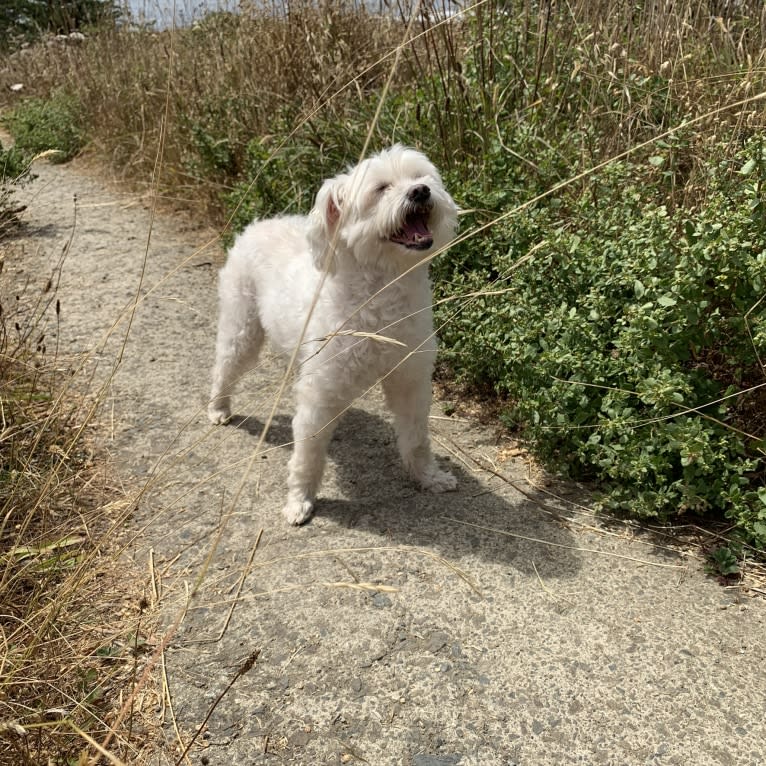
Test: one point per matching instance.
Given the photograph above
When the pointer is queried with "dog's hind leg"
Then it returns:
(240, 337)
(408, 395)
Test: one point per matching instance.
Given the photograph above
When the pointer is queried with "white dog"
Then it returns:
(344, 290)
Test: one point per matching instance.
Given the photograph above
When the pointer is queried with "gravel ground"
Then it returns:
(488, 626)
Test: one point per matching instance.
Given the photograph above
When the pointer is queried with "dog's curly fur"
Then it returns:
(341, 283)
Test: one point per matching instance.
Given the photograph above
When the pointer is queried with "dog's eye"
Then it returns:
(382, 188)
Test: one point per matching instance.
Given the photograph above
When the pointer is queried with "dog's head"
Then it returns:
(388, 210)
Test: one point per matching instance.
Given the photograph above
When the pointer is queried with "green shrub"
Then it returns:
(282, 182)
(14, 172)
(630, 340)
(39, 125)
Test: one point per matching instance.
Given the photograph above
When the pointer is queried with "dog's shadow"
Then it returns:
(280, 433)
(377, 496)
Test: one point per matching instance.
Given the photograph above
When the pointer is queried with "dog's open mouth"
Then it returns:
(414, 233)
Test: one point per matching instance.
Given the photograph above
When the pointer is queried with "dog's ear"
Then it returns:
(323, 222)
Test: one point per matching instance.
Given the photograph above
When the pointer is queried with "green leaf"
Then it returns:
(748, 167)
(667, 300)
(725, 561)
(657, 161)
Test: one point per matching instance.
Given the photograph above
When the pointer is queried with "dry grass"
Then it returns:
(205, 92)
(71, 623)
(614, 73)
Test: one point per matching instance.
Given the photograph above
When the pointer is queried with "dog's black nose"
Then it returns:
(419, 193)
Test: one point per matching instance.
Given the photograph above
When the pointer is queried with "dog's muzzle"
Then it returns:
(414, 233)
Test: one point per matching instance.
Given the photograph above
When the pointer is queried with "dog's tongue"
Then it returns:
(414, 233)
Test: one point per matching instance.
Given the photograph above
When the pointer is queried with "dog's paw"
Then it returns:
(218, 415)
(298, 512)
(435, 480)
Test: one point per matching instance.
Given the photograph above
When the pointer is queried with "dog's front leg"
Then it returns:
(408, 395)
(313, 428)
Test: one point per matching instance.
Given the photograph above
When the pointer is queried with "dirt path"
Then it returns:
(389, 631)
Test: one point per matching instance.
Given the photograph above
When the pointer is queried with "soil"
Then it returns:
(500, 624)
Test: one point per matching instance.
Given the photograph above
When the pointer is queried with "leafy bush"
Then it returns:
(39, 125)
(14, 172)
(286, 181)
(632, 340)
